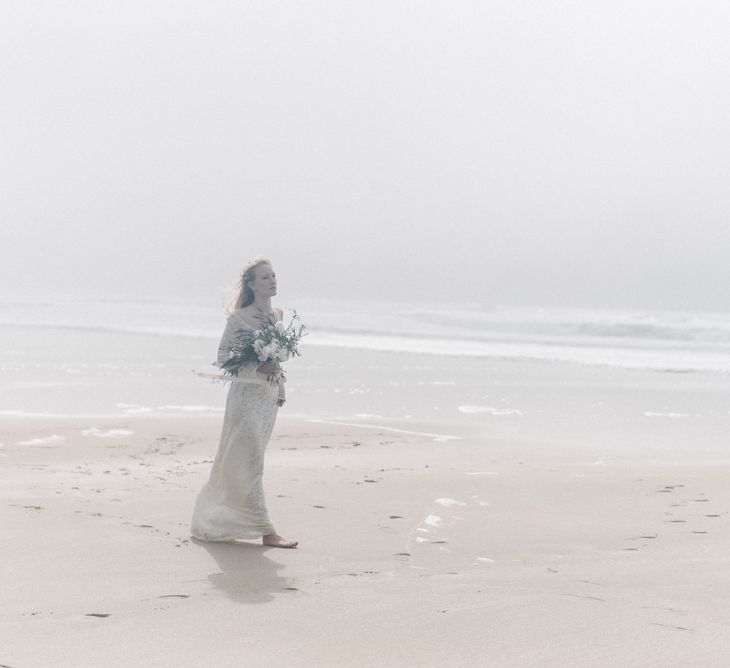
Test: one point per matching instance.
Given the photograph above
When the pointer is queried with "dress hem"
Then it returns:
(232, 539)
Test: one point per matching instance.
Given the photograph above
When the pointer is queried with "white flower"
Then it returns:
(283, 355)
(279, 326)
(257, 346)
(265, 353)
(274, 345)
(231, 355)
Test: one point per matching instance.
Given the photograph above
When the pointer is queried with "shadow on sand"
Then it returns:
(246, 574)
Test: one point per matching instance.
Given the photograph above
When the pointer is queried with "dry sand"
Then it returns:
(414, 550)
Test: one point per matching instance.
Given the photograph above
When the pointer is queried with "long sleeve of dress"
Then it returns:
(234, 326)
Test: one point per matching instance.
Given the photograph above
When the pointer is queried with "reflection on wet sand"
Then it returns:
(246, 574)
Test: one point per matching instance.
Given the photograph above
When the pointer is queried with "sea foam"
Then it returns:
(109, 433)
(53, 439)
(490, 410)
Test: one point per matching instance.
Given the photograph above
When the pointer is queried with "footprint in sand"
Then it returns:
(586, 597)
(670, 626)
(669, 488)
(590, 582)
(652, 537)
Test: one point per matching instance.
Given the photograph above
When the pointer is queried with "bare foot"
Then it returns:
(275, 540)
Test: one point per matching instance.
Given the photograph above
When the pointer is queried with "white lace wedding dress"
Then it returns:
(231, 504)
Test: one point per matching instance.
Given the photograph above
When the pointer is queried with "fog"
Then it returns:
(516, 153)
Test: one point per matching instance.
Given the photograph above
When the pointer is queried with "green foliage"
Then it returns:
(272, 342)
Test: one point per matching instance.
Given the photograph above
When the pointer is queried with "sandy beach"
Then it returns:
(420, 545)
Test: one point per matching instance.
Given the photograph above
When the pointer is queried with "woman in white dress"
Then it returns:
(231, 504)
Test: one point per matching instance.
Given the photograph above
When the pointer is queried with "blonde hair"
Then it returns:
(244, 294)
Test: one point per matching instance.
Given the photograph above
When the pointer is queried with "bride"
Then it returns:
(231, 504)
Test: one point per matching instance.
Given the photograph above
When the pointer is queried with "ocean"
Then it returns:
(661, 341)
(563, 371)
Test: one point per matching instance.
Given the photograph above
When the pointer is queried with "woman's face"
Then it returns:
(264, 285)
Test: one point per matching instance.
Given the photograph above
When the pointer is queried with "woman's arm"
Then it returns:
(228, 340)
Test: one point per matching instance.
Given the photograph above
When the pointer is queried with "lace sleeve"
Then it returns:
(227, 340)
(234, 325)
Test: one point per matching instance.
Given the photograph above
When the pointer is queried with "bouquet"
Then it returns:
(273, 342)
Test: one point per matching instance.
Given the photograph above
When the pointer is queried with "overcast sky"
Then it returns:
(497, 152)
